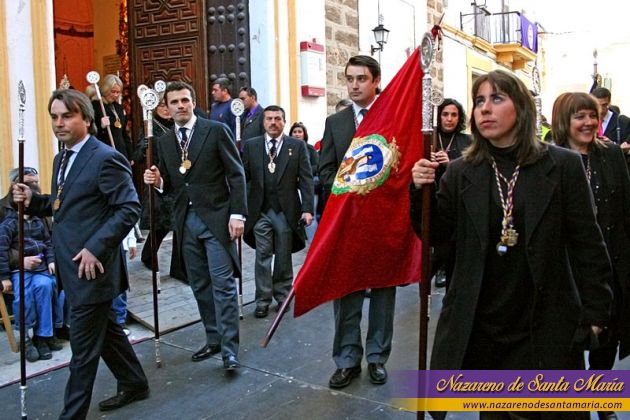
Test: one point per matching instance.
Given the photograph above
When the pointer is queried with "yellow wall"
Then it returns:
(6, 135)
(106, 15)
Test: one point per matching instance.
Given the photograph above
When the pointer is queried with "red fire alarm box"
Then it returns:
(312, 69)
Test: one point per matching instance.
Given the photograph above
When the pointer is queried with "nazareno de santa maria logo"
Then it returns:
(366, 165)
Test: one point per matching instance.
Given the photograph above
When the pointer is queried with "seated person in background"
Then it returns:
(119, 304)
(43, 307)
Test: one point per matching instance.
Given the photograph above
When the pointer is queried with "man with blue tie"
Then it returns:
(200, 166)
(363, 75)
(95, 205)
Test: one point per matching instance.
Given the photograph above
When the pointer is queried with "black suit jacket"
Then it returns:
(559, 228)
(215, 184)
(253, 126)
(338, 133)
(621, 121)
(294, 182)
(99, 206)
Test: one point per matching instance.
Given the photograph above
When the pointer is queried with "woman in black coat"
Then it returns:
(451, 143)
(575, 123)
(520, 214)
(115, 118)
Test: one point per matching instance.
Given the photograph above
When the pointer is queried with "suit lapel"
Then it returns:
(79, 163)
(199, 137)
(476, 197)
(534, 178)
(259, 154)
(283, 156)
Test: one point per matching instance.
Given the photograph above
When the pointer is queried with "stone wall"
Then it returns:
(435, 10)
(342, 42)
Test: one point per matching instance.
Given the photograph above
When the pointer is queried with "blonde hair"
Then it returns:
(108, 83)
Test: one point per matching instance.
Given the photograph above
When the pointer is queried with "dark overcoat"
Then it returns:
(214, 186)
(99, 207)
(560, 227)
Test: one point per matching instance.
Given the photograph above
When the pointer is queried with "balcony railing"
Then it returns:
(514, 28)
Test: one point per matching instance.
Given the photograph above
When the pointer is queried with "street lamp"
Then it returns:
(380, 36)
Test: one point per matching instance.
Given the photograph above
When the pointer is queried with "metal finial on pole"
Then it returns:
(149, 100)
(21, 140)
(93, 78)
(238, 108)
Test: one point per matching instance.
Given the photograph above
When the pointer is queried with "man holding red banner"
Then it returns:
(363, 76)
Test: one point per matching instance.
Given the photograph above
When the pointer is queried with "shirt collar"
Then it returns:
(77, 147)
(189, 125)
(358, 108)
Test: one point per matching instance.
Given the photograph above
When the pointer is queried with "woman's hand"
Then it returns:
(423, 172)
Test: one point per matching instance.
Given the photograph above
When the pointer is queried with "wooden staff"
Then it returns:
(21, 139)
(276, 321)
(93, 77)
(149, 99)
(426, 59)
(237, 107)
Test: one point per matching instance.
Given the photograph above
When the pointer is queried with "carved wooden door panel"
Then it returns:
(167, 40)
(228, 42)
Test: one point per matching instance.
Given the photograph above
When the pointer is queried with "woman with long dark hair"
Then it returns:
(519, 212)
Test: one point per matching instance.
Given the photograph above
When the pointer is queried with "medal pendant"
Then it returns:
(117, 124)
(186, 164)
(56, 204)
(272, 167)
(182, 169)
(501, 249)
(511, 237)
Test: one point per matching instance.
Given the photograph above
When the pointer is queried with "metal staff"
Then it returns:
(150, 99)
(21, 139)
(238, 107)
(93, 78)
(426, 58)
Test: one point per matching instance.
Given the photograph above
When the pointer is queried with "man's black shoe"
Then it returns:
(42, 348)
(607, 415)
(53, 343)
(342, 377)
(123, 398)
(440, 278)
(378, 373)
(230, 362)
(205, 352)
(261, 311)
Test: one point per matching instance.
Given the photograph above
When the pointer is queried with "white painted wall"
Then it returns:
(311, 24)
(406, 21)
(20, 53)
(262, 53)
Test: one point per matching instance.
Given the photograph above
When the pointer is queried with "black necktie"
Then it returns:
(272, 149)
(184, 140)
(65, 158)
(363, 112)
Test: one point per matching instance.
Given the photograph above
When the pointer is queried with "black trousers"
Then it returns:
(94, 333)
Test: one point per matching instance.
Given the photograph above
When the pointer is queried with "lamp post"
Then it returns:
(381, 35)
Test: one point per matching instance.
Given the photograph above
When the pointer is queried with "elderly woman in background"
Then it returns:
(574, 125)
(115, 118)
(520, 215)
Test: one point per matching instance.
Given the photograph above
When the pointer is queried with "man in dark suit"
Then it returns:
(200, 166)
(95, 205)
(280, 200)
(363, 76)
(252, 122)
(615, 127)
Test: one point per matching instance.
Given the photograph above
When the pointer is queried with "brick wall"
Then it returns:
(342, 42)
(435, 10)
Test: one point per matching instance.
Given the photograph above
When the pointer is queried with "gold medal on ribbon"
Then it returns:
(272, 167)
(117, 124)
(56, 204)
(187, 164)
